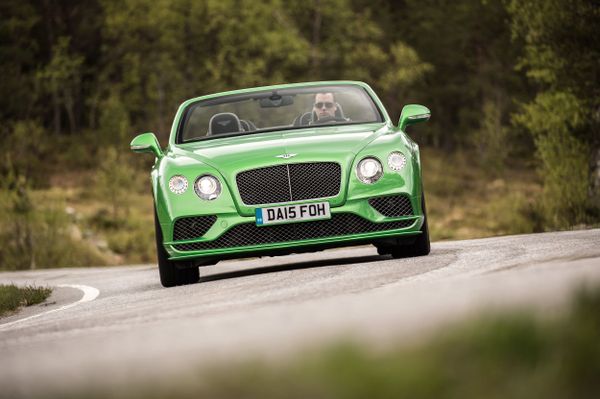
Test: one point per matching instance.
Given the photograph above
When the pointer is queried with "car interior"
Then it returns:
(228, 122)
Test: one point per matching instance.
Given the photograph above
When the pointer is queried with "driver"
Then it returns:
(324, 107)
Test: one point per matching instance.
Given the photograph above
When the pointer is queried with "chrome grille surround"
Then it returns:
(289, 182)
(340, 224)
(188, 228)
(393, 205)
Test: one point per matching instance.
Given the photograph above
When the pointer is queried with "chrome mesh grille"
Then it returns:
(314, 180)
(192, 227)
(272, 185)
(392, 206)
(264, 185)
(249, 234)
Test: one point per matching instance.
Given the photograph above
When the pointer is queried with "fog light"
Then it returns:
(178, 184)
(396, 161)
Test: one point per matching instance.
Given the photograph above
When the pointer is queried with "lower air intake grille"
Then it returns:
(249, 234)
(392, 206)
(192, 227)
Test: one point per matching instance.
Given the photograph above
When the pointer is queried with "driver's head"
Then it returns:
(325, 105)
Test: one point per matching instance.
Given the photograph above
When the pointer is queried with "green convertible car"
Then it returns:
(285, 169)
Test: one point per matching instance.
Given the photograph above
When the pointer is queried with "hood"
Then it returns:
(233, 154)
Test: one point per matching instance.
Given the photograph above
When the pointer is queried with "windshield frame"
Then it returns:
(220, 99)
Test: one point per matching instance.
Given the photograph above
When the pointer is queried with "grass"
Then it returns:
(510, 355)
(37, 232)
(466, 201)
(13, 297)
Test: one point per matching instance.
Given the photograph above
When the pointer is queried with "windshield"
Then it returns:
(282, 109)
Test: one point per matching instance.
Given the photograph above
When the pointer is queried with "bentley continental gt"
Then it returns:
(285, 169)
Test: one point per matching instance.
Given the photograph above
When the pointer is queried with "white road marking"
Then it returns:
(89, 294)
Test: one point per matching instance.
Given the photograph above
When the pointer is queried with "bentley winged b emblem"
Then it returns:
(285, 156)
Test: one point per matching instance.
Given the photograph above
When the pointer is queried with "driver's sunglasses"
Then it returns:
(327, 105)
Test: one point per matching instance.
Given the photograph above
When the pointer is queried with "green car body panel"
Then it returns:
(225, 157)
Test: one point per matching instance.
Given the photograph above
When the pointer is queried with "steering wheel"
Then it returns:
(328, 119)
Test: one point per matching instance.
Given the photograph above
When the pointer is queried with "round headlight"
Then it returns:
(369, 170)
(178, 184)
(396, 161)
(207, 187)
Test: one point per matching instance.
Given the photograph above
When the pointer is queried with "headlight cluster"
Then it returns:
(369, 169)
(206, 187)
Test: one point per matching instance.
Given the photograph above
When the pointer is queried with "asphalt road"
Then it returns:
(116, 325)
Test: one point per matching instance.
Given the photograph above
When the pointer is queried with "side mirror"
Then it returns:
(413, 113)
(146, 142)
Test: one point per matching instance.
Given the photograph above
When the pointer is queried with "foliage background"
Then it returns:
(512, 85)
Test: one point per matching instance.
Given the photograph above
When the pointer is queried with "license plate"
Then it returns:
(292, 213)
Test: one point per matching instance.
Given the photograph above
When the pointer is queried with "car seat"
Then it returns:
(225, 122)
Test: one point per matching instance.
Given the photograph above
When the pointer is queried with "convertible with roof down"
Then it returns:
(285, 169)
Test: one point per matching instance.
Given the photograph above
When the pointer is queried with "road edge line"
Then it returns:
(89, 294)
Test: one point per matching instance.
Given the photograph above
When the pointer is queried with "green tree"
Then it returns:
(114, 182)
(18, 53)
(560, 57)
(159, 53)
(468, 43)
(27, 150)
(347, 42)
(114, 126)
(61, 77)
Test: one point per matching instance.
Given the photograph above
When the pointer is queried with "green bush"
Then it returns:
(553, 118)
(115, 182)
(492, 139)
(12, 297)
(27, 150)
(35, 236)
(135, 241)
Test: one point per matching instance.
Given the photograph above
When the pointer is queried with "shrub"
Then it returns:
(553, 118)
(34, 237)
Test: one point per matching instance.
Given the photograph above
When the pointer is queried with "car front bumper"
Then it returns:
(356, 221)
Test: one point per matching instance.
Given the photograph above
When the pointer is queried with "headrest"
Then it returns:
(225, 122)
(303, 120)
(339, 112)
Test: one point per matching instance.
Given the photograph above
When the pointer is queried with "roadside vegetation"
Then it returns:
(509, 355)
(513, 145)
(85, 218)
(13, 297)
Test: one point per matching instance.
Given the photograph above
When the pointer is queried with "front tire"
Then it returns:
(421, 246)
(172, 273)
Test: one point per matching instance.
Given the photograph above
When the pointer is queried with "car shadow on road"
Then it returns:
(292, 266)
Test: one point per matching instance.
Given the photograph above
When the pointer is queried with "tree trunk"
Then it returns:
(161, 106)
(70, 108)
(56, 111)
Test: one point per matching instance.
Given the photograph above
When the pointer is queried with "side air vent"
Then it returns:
(192, 227)
(392, 206)
(341, 224)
